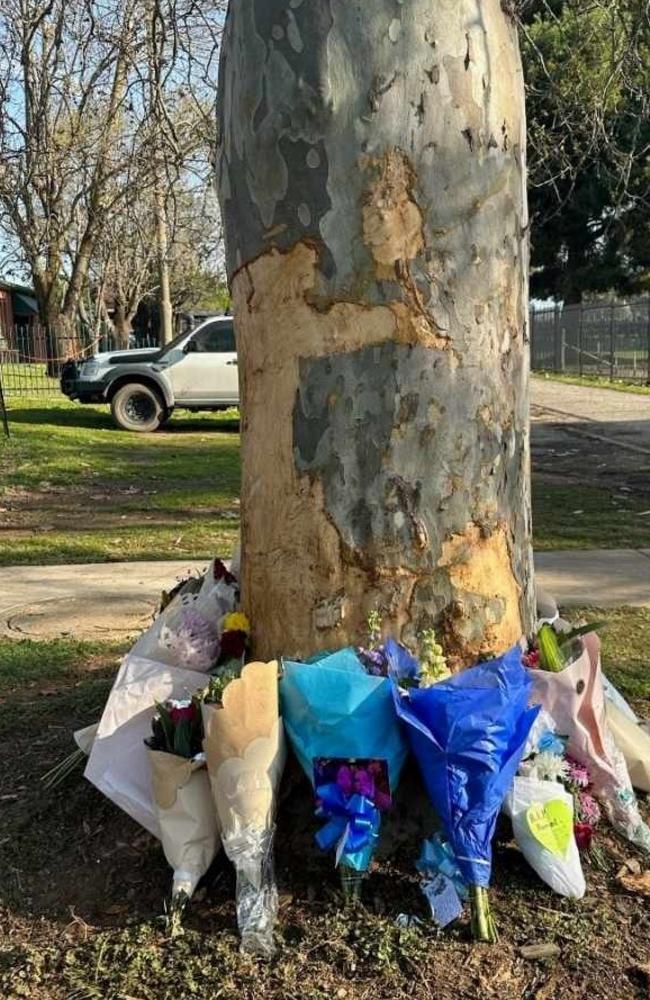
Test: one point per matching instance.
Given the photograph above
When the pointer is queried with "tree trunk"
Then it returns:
(372, 182)
(166, 329)
(122, 325)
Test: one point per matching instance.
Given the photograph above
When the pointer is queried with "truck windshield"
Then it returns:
(173, 343)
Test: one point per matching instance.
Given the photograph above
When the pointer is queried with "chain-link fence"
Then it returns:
(31, 358)
(611, 340)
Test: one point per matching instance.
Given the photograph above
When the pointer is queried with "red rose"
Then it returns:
(584, 835)
(188, 713)
(233, 644)
(221, 573)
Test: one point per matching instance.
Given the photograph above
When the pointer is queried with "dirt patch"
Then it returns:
(83, 888)
(24, 512)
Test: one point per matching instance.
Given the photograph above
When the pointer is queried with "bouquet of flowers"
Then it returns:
(118, 764)
(542, 814)
(181, 795)
(234, 629)
(567, 680)
(468, 734)
(552, 811)
(340, 720)
(245, 752)
(187, 631)
(350, 795)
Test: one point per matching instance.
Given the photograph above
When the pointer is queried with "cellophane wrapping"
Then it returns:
(574, 698)
(245, 752)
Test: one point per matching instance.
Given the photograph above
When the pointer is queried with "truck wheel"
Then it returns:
(136, 407)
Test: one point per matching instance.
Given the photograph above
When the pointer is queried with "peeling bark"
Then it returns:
(377, 261)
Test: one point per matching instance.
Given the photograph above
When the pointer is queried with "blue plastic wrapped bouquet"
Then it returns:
(468, 734)
(342, 725)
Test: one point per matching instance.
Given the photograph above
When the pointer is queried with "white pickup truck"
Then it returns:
(196, 371)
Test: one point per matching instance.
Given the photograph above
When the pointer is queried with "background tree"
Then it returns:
(588, 84)
(100, 104)
(63, 86)
(126, 268)
(376, 232)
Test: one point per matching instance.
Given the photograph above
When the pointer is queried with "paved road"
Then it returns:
(622, 416)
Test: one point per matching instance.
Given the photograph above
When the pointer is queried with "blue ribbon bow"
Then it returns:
(353, 826)
(438, 857)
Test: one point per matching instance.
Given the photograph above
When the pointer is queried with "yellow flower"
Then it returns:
(236, 621)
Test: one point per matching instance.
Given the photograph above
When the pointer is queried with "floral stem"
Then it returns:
(175, 913)
(351, 882)
(63, 769)
(483, 925)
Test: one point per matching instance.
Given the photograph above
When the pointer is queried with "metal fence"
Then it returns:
(31, 358)
(610, 340)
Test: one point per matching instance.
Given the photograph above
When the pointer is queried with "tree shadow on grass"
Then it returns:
(195, 424)
(93, 419)
(61, 417)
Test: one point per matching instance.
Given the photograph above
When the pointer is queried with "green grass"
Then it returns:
(122, 545)
(576, 516)
(20, 376)
(76, 489)
(597, 382)
(625, 650)
(27, 663)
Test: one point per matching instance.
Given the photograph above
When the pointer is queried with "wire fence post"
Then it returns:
(611, 343)
(559, 360)
(3, 408)
(580, 315)
(648, 342)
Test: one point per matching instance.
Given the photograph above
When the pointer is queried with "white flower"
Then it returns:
(545, 767)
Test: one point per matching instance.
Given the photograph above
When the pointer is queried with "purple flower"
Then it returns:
(588, 809)
(344, 779)
(578, 773)
(193, 639)
(374, 660)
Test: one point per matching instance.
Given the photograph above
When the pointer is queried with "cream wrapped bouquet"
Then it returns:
(245, 752)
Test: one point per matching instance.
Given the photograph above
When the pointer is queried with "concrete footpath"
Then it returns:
(91, 601)
(114, 600)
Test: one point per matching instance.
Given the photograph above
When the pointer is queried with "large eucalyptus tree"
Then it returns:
(372, 182)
